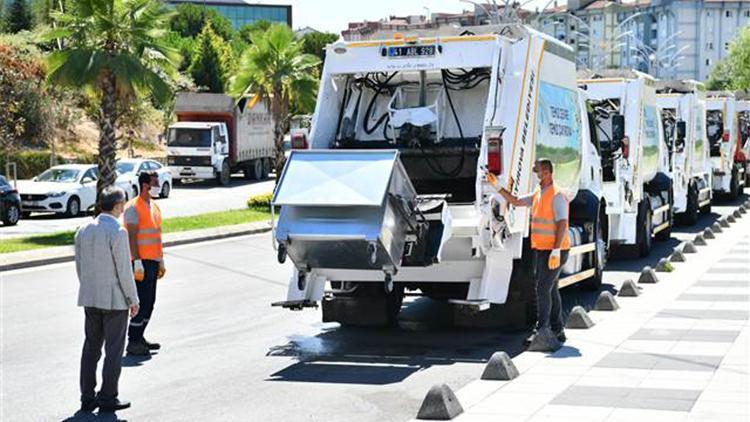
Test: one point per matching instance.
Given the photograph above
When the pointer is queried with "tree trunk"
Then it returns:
(107, 140)
(280, 114)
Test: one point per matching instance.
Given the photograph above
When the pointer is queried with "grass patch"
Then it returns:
(170, 225)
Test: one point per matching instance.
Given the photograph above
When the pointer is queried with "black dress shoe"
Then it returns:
(89, 405)
(137, 348)
(114, 406)
(151, 346)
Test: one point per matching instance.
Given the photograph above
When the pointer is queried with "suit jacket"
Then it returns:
(103, 265)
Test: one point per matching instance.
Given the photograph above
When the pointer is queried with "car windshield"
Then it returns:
(59, 175)
(123, 167)
(180, 137)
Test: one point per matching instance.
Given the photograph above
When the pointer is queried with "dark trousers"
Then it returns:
(147, 297)
(548, 301)
(108, 328)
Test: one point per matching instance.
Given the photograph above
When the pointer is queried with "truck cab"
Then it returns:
(635, 160)
(683, 112)
(195, 150)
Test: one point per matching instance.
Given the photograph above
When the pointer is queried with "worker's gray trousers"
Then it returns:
(548, 302)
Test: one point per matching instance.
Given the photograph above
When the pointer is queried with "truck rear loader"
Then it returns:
(723, 137)
(215, 136)
(392, 195)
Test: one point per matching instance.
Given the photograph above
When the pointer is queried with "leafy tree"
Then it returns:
(190, 19)
(115, 51)
(210, 63)
(315, 43)
(247, 32)
(184, 45)
(276, 69)
(17, 17)
(734, 71)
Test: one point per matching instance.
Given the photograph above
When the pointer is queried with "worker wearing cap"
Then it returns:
(143, 222)
(550, 242)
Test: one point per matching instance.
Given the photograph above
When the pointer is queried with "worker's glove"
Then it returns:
(162, 269)
(138, 272)
(554, 259)
(492, 180)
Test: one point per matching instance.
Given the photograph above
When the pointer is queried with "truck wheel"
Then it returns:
(599, 257)
(644, 236)
(364, 304)
(266, 168)
(690, 216)
(257, 166)
(165, 190)
(223, 177)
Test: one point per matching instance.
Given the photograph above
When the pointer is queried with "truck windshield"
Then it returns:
(183, 137)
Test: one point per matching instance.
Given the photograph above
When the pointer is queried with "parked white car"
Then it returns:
(67, 189)
(129, 169)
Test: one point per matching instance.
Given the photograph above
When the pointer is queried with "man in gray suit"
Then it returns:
(107, 293)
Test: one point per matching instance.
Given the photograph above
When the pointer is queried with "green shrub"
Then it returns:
(260, 202)
(32, 162)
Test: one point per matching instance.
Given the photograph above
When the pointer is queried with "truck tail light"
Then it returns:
(495, 155)
(299, 141)
(626, 151)
(725, 137)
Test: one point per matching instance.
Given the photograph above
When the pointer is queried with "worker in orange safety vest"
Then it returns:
(550, 243)
(143, 221)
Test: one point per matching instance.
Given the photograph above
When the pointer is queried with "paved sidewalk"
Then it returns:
(678, 352)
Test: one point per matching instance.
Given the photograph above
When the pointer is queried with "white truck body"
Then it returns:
(635, 178)
(519, 96)
(722, 127)
(743, 131)
(683, 108)
(216, 136)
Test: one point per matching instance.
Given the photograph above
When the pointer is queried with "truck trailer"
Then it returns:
(391, 194)
(215, 136)
(722, 131)
(682, 105)
(635, 160)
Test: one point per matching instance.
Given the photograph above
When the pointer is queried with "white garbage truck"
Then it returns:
(743, 131)
(215, 136)
(391, 195)
(722, 129)
(683, 114)
(635, 160)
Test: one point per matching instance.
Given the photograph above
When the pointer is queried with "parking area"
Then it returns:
(186, 199)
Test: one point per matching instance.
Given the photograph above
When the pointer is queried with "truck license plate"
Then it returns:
(412, 51)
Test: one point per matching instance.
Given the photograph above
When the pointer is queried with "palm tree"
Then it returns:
(275, 68)
(115, 50)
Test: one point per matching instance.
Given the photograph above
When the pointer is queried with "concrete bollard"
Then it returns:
(677, 256)
(689, 247)
(544, 341)
(606, 302)
(742, 210)
(500, 368)
(629, 289)
(724, 222)
(731, 219)
(664, 266)
(579, 319)
(716, 228)
(737, 214)
(699, 240)
(648, 276)
(709, 234)
(440, 404)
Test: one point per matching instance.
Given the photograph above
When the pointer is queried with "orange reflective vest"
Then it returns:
(543, 221)
(148, 236)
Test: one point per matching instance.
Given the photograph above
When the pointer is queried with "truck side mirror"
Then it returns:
(618, 127)
(681, 130)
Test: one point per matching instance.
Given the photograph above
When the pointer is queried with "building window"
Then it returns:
(710, 46)
(708, 62)
(747, 13)
(708, 14)
(726, 46)
(728, 13)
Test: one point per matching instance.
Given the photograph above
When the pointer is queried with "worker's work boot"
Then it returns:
(151, 346)
(561, 336)
(544, 341)
(138, 348)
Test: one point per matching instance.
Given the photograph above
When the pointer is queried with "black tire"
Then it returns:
(734, 185)
(224, 176)
(267, 168)
(690, 216)
(73, 207)
(257, 166)
(598, 260)
(644, 236)
(12, 215)
(363, 296)
(165, 190)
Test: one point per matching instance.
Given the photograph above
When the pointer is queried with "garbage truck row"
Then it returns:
(390, 195)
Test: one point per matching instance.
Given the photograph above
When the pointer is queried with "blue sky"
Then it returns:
(333, 15)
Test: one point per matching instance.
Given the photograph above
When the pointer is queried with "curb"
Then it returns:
(70, 256)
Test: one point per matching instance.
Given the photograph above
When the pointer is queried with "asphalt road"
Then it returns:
(185, 199)
(228, 356)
